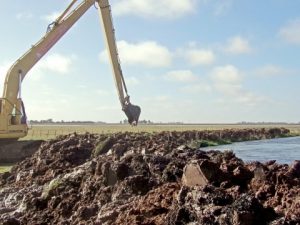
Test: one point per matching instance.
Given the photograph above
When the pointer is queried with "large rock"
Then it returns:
(201, 173)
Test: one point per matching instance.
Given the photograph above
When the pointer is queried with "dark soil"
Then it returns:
(129, 178)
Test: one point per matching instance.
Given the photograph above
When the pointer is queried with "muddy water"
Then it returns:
(283, 150)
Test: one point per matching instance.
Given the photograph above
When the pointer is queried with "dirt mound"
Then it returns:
(128, 178)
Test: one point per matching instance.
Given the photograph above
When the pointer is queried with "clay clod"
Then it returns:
(201, 173)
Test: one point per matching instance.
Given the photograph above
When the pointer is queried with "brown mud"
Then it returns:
(130, 178)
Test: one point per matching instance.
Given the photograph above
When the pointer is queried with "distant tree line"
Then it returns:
(51, 121)
(244, 122)
(151, 122)
(140, 122)
(144, 121)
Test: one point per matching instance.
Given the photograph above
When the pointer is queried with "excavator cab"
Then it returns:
(12, 124)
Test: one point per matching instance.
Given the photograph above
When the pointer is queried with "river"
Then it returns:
(283, 150)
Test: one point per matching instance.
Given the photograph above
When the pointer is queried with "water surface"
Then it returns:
(283, 150)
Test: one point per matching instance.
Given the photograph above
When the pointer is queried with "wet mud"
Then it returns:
(141, 178)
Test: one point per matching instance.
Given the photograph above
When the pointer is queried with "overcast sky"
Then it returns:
(205, 61)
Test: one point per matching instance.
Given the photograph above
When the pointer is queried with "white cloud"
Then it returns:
(228, 74)
(196, 88)
(102, 92)
(4, 67)
(181, 76)
(148, 53)
(238, 45)
(24, 16)
(160, 98)
(291, 32)
(272, 70)
(222, 6)
(192, 44)
(228, 89)
(161, 102)
(55, 63)
(192, 83)
(132, 81)
(228, 81)
(250, 99)
(51, 17)
(82, 86)
(200, 57)
(107, 108)
(154, 9)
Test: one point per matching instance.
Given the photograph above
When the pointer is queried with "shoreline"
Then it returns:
(126, 178)
(208, 143)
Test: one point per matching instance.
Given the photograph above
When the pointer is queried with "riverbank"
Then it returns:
(46, 132)
(137, 178)
(16, 152)
(196, 139)
(283, 150)
(229, 136)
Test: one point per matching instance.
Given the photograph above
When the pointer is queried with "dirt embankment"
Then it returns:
(142, 179)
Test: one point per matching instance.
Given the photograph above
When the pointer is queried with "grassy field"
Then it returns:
(45, 132)
(5, 168)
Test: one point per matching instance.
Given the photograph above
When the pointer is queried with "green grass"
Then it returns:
(54, 184)
(5, 168)
(207, 143)
(45, 132)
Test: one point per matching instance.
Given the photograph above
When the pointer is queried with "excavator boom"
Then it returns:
(12, 111)
(132, 111)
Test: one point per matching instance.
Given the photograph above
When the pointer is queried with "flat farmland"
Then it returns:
(5, 167)
(45, 132)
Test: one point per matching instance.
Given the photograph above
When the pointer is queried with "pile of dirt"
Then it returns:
(143, 178)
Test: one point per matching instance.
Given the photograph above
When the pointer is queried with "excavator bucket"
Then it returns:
(133, 113)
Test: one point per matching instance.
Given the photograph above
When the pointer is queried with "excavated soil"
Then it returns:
(129, 178)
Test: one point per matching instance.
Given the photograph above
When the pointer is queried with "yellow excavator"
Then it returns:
(13, 120)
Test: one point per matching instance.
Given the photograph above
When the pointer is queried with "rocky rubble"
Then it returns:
(143, 178)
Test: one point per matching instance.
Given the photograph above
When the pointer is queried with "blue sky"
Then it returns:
(205, 61)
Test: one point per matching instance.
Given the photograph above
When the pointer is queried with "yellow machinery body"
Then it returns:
(12, 111)
(12, 123)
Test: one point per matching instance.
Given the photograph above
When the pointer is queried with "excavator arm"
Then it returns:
(12, 112)
(132, 111)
